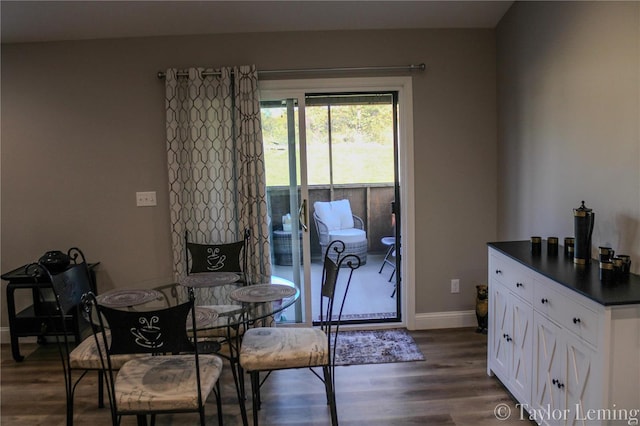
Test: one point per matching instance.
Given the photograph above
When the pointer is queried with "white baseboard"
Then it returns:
(449, 319)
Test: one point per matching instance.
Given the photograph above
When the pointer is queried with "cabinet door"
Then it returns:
(501, 330)
(548, 367)
(521, 346)
(580, 395)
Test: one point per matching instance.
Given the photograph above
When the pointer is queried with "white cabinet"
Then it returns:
(565, 353)
(565, 358)
(511, 339)
(581, 381)
(500, 323)
(521, 373)
(562, 390)
(548, 369)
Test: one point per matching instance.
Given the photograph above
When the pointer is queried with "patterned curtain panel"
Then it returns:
(215, 155)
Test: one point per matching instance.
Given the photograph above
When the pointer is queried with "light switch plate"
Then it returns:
(146, 199)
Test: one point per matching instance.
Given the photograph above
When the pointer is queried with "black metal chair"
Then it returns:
(221, 257)
(81, 354)
(266, 349)
(169, 376)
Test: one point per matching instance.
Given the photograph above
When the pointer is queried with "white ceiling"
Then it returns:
(30, 21)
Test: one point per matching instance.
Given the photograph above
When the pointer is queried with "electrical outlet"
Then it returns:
(455, 286)
(146, 199)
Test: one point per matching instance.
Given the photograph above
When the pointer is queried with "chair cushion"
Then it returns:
(271, 348)
(158, 383)
(347, 236)
(335, 214)
(85, 356)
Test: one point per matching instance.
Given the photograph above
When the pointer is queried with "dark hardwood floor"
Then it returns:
(450, 387)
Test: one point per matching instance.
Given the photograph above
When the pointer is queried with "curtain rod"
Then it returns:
(412, 67)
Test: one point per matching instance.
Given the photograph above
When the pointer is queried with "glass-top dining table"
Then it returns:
(225, 307)
(220, 292)
(238, 307)
(128, 297)
(236, 303)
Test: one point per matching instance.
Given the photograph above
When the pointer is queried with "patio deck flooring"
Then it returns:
(369, 295)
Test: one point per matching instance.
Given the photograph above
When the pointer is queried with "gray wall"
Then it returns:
(569, 120)
(83, 130)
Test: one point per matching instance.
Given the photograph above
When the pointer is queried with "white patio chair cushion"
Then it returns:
(353, 235)
(335, 214)
(166, 382)
(271, 348)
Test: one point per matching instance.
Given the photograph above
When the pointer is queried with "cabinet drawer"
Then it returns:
(566, 311)
(512, 275)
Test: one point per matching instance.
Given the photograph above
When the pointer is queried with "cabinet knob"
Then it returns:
(498, 271)
(576, 320)
(519, 284)
(544, 300)
(555, 381)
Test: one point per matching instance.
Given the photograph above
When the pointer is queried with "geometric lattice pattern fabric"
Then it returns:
(215, 160)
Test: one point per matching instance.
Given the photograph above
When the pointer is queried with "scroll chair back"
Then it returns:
(69, 287)
(218, 257)
(266, 349)
(169, 376)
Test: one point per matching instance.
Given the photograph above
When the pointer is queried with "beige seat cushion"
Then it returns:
(270, 348)
(85, 356)
(158, 383)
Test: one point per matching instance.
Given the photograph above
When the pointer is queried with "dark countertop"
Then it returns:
(581, 279)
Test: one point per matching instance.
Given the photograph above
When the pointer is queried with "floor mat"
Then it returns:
(376, 347)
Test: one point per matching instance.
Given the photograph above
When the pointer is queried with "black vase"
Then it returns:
(583, 219)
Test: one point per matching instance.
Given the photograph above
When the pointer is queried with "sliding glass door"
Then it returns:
(351, 146)
(331, 146)
(286, 198)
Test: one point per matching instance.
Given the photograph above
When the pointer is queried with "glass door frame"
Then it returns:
(283, 89)
(299, 97)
